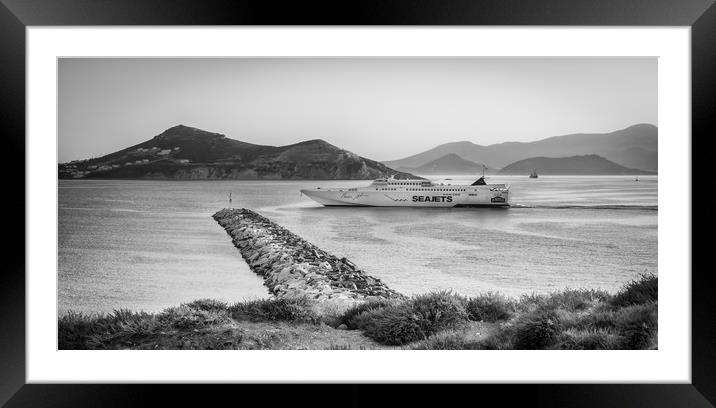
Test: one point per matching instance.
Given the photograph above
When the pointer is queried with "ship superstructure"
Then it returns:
(390, 192)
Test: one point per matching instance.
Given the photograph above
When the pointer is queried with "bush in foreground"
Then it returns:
(570, 319)
(489, 307)
(290, 310)
(190, 316)
(584, 319)
(569, 299)
(350, 317)
(398, 323)
(81, 331)
(639, 291)
(589, 339)
(123, 328)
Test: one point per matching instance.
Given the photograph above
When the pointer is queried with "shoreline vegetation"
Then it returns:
(572, 319)
(324, 302)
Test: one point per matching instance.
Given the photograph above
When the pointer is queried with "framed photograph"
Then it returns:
(412, 193)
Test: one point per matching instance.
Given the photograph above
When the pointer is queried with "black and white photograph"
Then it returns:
(358, 203)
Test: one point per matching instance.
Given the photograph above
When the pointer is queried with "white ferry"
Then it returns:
(390, 192)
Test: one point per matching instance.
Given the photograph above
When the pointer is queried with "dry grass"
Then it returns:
(570, 319)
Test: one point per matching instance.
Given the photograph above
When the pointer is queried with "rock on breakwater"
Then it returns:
(293, 267)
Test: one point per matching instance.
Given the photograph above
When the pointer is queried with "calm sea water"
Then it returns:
(147, 245)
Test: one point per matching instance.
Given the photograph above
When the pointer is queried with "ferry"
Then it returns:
(391, 192)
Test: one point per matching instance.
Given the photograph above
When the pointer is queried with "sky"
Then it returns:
(379, 108)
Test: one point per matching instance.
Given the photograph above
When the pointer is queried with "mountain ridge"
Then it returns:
(451, 163)
(635, 146)
(590, 164)
(183, 152)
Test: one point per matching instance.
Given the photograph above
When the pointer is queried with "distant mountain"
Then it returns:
(183, 152)
(448, 164)
(634, 147)
(589, 164)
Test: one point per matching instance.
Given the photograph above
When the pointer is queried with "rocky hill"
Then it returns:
(448, 164)
(183, 152)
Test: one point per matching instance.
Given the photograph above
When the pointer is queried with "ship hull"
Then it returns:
(477, 197)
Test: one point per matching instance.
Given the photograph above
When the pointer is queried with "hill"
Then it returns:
(448, 164)
(633, 147)
(575, 165)
(183, 152)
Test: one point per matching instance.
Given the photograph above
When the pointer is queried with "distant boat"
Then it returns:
(534, 174)
(637, 178)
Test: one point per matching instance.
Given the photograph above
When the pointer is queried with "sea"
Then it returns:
(149, 245)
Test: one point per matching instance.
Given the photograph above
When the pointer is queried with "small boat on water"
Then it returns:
(533, 174)
(391, 192)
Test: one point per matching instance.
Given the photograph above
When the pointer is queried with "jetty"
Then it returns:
(293, 267)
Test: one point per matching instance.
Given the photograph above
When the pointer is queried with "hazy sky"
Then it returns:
(380, 108)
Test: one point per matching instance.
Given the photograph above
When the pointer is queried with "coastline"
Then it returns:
(574, 319)
(323, 302)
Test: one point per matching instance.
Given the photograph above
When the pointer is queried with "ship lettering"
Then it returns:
(433, 199)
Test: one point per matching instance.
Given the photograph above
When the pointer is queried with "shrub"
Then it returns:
(81, 331)
(568, 299)
(642, 290)
(397, 323)
(501, 339)
(136, 329)
(489, 307)
(187, 317)
(439, 310)
(285, 309)
(638, 325)
(577, 299)
(208, 305)
(392, 326)
(73, 330)
(599, 339)
(349, 316)
(537, 330)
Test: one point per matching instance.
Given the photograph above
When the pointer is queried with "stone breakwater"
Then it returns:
(293, 267)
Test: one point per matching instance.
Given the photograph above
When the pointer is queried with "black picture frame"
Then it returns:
(16, 15)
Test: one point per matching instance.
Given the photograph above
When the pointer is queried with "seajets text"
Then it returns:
(434, 199)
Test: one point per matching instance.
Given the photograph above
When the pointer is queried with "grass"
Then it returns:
(398, 323)
(88, 331)
(291, 310)
(175, 326)
(639, 291)
(572, 319)
(584, 319)
(490, 307)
